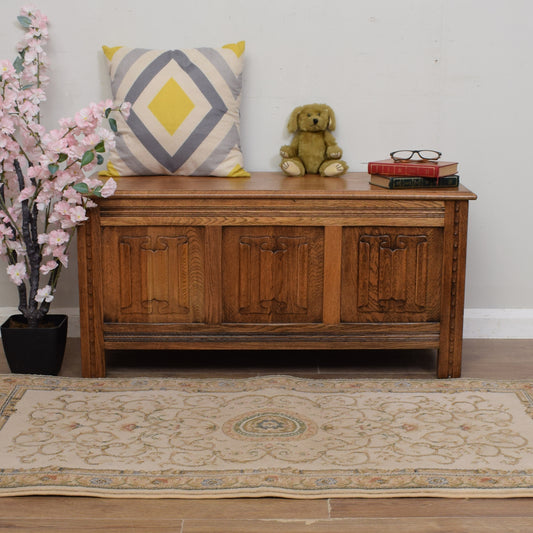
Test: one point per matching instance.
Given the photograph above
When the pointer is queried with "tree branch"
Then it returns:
(29, 234)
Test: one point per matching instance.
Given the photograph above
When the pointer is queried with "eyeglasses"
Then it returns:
(424, 155)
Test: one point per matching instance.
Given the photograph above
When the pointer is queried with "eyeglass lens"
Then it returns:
(426, 155)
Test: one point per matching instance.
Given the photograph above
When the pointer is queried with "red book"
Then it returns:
(425, 169)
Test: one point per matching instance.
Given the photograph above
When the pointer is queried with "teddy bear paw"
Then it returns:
(334, 152)
(286, 152)
(291, 168)
(334, 169)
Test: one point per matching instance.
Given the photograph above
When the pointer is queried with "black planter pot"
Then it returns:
(37, 350)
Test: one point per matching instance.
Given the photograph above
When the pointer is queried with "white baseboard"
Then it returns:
(498, 324)
(478, 323)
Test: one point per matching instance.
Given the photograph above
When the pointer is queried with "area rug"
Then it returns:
(265, 436)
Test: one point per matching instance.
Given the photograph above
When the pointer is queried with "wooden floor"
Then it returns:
(487, 359)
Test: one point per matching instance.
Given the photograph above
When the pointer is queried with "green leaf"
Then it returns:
(25, 22)
(18, 64)
(97, 192)
(88, 156)
(82, 188)
(99, 159)
(100, 147)
(107, 112)
(113, 124)
(62, 157)
(53, 168)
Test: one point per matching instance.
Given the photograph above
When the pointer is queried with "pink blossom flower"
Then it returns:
(7, 125)
(57, 237)
(56, 145)
(75, 151)
(48, 158)
(29, 109)
(37, 95)
(63, 178)
(67, 223)
(107, 136)
(77, 214)
(7, 70)
(63, 208)
(48, 267)
(100, 107)
(44, 294)
(109, 188)
(125, 109)
(17, 247)
(55, 135)
(17, 273)
(91, 140)
(35, 127)
(6, 231)
(67, 122)
(47, 250)
(43, 200)
(60, 211)
(26, 193)
(37, 172)
(72, 196)
(91, 182)
(84, 118)
(62, 256)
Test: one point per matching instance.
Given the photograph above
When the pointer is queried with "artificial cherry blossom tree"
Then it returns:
(45, 176)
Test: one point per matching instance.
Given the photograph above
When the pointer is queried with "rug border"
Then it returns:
(279, 493)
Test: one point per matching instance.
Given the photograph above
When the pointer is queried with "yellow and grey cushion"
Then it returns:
(184, 117)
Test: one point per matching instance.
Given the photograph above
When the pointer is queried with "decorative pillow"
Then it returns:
(184, 117)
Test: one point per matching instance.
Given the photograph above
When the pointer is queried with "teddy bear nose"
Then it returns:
(315, 121)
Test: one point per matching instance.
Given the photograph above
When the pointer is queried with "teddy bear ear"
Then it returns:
(332, 122)
(292, 126)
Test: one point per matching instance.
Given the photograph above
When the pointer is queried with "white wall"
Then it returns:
(454, 75)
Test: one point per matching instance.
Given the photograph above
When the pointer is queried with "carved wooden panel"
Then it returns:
(153, 274)
(272, 274)
(391, 274)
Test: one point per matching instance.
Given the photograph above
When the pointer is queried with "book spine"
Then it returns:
(419, 182)
(399, 169)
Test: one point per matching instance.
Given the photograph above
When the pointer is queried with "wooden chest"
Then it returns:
(276, 262)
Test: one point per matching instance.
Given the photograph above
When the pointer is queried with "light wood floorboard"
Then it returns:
(363, 525)
(483, 358)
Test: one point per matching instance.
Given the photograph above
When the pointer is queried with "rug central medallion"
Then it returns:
(260, 425)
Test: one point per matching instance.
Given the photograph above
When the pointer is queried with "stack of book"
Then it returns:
(413, 174)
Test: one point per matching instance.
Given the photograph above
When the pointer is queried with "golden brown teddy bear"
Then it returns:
(313, 149)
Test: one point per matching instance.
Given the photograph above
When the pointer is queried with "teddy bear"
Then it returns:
(313, 149)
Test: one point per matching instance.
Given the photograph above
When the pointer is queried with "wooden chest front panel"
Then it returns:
(272, 274)
(153, 274)
(391, 274)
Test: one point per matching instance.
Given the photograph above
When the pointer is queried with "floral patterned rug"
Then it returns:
(265, 436)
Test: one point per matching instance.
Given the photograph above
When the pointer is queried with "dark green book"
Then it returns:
(413, 182)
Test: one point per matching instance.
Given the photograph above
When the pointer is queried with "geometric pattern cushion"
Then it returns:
(184, 117)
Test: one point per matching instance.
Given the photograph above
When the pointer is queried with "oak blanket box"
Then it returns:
(272, 261)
